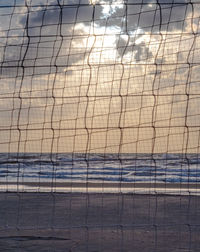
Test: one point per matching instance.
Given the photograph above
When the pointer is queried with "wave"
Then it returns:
(100, 167)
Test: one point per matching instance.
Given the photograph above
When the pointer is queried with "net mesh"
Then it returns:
(99, 108)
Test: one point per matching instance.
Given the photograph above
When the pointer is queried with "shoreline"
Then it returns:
(81, 187)
(107, 184)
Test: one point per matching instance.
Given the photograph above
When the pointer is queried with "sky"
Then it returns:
(100, 76)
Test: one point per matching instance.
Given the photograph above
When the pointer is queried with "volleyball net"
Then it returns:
(100, 96)
(99, 77)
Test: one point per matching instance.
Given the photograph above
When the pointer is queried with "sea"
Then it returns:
(98, 168)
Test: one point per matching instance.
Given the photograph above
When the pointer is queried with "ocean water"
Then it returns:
(66, 167)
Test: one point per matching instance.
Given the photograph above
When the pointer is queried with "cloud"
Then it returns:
(168, 17)
(140, 51)
(69, 14)
(46, 46)
(40, 30)
(150, 17)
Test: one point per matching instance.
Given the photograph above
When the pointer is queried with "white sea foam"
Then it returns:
(164, 168)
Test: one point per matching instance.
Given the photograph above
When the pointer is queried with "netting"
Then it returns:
(99, 129)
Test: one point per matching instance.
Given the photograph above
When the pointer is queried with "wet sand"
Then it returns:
(99, 222)
(106, 184)
(106, 187)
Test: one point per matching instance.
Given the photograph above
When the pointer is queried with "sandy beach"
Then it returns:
(98, 222)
